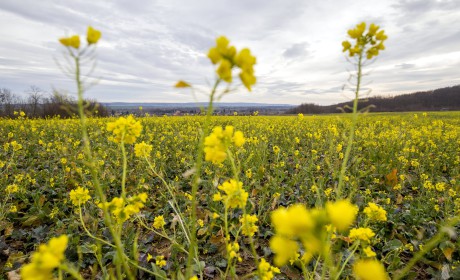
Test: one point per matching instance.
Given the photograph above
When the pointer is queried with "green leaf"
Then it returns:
(392, 245)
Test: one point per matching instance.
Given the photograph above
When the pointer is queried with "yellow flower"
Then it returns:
(342, 213)
(46, 259)
(225, 71)
(293, 221)
(93, 35)
(228, 57)
(375, 212)
(160, 261)
(248, 223)
(124, 209)
(13, 188)
(217, 143)
(142, 149)
(182, 84)
(73, 41)
(369, 270)
(125, 130)
(370, 43)
(369, 253)
(79, 196)
(235, 196)
(159, 222)
(363, 234)
(284, 249)
(266, 270)
(232, 250)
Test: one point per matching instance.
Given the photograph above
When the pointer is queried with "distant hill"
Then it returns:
(194, 108)
(443, 99)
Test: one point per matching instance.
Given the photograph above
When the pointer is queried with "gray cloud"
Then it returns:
(148, 45)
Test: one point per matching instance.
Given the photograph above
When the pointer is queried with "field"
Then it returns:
(407, 164)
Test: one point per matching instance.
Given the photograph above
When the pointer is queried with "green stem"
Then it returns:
(196, 181)
(125, 167)
(89, 233)
(352, 129)
(173, 197)
(347, 260)
(94, 171)
(426, 248)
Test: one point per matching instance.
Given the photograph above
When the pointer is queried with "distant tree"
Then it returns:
(7, 101)
(34, 100)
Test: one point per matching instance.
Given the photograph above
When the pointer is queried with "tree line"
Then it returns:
(39, 104)
(443, 99)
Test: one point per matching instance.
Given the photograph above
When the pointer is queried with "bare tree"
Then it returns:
(35, 99)
(6, 101)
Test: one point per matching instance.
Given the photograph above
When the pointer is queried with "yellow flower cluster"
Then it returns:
(374, 37)
(235, 196)
(125, 130)
(122, 209)
(369, 270)
(217, 143)
(363, 234)
(160, 261)
(13, 188)
(45, 260)
(232, 249)
(267, 271)
(92, 37)
(341, 213)
(228, 58)
(142, 149)
(375, 212)
(248, 223)
(79, 196)
(159, 222)
(297, 223)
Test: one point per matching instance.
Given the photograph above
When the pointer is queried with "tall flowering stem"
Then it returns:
(367, 45)
(226, 58)
(73, 47)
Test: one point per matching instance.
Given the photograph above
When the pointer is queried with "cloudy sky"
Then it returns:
(148, 45)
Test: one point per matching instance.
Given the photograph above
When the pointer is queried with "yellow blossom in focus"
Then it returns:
(125, 130)
(363, 234)
(267, 271)
(369, 252)
(142, 149)
(342, 214)
(370, 43)
(248, 223)
(160, 261)
(232, 250)
(369, 270)
(235, 196)
(217, 143)
(123, 209)
(375, 212)
(159, 222)
(79, 196)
